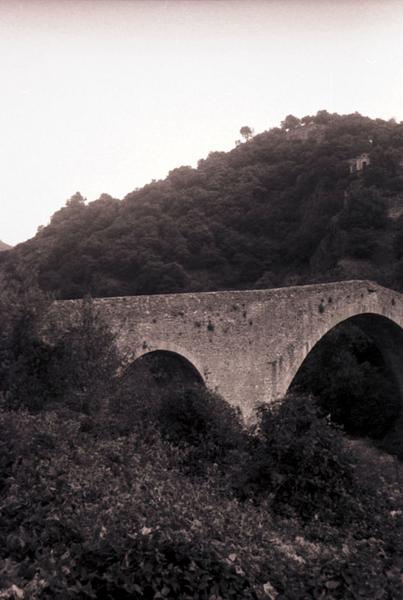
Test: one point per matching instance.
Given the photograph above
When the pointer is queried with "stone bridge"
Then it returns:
(249, 345)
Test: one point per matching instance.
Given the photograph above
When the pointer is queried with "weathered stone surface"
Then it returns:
(249, 345)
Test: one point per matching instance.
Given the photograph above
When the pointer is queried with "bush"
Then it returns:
(85, 360)
(203, 424)
(297, 459)
(84, 516)
(44, 362)
(25, 359)
(194, 414)
(8, 453)
(159, 568)
(87, 518)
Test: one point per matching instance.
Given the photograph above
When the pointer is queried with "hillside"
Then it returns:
(4, 246)
(280, 208)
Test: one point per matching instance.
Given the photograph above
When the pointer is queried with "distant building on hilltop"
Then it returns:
(360, 163)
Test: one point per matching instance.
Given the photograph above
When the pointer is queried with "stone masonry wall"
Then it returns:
(248, 345)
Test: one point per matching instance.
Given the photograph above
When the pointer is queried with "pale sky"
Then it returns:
(105, 95)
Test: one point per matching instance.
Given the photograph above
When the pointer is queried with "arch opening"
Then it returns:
(356, 373)
(160, 369)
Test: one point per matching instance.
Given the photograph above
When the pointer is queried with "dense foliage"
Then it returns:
(25, 360)
(169, 496)
(71, 364)
(280, 208)
(299, 458)
(90, 515)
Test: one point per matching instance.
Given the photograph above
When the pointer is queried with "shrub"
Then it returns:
(43, 362)
(199, 422)
(160, 568)
(25, 359)
(297, 459)
(8, 454)
(84, 516)
(85, 360)
(202, 423)
(104, 519)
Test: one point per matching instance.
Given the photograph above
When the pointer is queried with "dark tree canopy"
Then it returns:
(290, 122)
(281, 209)
(246, 132)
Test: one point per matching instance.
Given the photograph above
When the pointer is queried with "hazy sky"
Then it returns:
(105, 95)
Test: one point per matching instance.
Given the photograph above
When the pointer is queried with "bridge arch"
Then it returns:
(381, 346)
(163, 367)
(385, 332)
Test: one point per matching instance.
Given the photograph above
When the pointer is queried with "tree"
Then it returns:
(76, 200)
(85, 360)
(290, 122)
(323, 117)
(24, 357)
(271, 197)
(246, 132)
(365, 208)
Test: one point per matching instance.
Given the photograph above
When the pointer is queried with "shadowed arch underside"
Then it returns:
(387, 336)
(355, 370)
(162, 368)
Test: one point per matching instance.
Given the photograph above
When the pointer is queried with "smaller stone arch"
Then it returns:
(163, 345)
(160, 368)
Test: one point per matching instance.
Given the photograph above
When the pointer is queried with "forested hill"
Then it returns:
(281, 208)
(4, 246)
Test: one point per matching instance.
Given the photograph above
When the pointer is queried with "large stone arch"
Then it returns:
(386, 333)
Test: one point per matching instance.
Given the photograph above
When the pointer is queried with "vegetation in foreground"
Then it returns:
(121, 492)
(90, 515)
